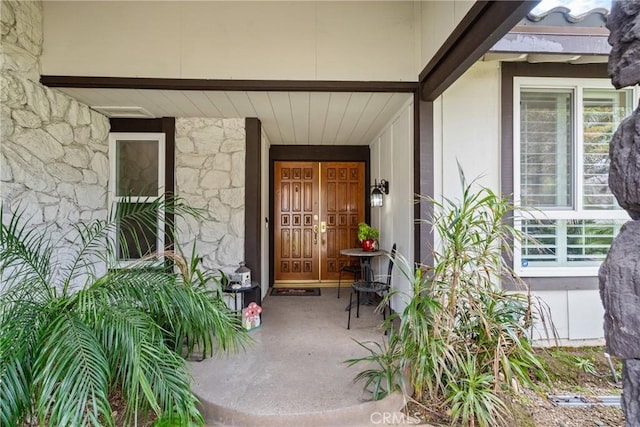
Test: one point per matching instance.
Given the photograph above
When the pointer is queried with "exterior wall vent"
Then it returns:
(124, 112)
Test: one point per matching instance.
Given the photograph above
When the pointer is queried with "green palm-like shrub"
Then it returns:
(384, 375)
(75, 326)
(461, 340)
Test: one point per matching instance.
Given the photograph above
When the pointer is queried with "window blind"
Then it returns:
(546, 149)
(602, 111)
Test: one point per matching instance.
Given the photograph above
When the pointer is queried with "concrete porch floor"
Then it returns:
(294, 374)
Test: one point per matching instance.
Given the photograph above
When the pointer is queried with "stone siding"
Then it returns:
(53, 150)
(21, 32)
(210, 167)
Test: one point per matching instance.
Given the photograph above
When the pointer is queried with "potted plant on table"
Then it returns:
(368, 235)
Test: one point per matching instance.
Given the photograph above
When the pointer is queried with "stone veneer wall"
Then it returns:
(210, 167)
(53, 150)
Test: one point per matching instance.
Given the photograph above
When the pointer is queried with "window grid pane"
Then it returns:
(137, 230)
(137, 168)
(546, 149)
(603, 111)
(540, 242)
(589, 240)
(566, 243)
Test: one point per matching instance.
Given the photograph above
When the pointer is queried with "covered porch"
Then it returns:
(369, 102)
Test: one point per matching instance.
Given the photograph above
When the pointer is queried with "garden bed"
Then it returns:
(581, 371)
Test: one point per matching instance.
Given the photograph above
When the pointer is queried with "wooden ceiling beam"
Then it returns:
(227, 85)
(484, 24)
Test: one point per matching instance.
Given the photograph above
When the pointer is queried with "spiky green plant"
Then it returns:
(461, 339)
(471, 397)
(384, 375)
(75, 326)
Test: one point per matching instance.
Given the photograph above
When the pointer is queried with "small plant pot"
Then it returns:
(369, 245)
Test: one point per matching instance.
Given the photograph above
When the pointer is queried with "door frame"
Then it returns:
(315, 153)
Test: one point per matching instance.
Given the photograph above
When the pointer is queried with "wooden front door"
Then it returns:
(317, 210)
(342, 209)
(296, 220)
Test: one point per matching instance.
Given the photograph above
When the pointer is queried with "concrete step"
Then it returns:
(382, 412)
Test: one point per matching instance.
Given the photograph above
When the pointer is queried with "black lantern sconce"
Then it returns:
(377, 192)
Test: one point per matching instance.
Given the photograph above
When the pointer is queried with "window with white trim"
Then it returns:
(137, 169)
(562, 129)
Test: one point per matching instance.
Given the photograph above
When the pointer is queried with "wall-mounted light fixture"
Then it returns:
(377, 192)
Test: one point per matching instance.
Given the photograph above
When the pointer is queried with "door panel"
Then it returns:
(296, 204)
(317, 210)
(342, 209)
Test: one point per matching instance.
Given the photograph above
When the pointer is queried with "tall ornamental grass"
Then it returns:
(462, 341)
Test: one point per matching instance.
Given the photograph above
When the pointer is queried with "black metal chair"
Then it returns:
(372, 287)
(354, 269)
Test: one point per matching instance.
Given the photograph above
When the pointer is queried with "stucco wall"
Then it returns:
(227, 39)
(53, 150)
(438, 20)
(467, 125)
(392, 159)
(210, 168)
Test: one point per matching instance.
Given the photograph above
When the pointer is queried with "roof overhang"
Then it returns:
(555, 36)
(566, 44)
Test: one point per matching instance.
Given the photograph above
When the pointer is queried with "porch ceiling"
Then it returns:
(300, 118)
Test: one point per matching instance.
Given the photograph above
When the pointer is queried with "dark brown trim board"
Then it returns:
(423, 178)
(315, 153)
(319, 153)
(252, 206)
(168, 126)
(227, 85)
(484, 24)
(509, 71)
(585, 71)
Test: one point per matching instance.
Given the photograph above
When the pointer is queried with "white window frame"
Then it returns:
(577, 86)
(113, 199)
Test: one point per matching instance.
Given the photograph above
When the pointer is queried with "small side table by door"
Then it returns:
(365, 260)
(229, 289)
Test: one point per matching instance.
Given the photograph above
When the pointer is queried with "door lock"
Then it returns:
(323, 226)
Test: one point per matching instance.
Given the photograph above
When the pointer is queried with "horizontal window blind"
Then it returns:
(546, 149)
(567, 242)
(602, 112)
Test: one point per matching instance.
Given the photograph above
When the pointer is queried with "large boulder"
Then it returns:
(624, 37)
(631, 391)
(620, 293)
(624, 170)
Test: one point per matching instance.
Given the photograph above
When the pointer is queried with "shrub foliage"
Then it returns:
(461, 339)
(75, 326)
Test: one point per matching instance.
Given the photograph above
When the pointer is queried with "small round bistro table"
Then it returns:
(365, 258)
(230, 289)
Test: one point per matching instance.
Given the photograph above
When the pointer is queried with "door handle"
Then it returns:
(323, 226)
(315, 234)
